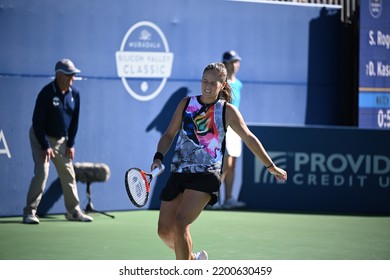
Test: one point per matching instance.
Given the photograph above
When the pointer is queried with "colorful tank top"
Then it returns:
(201, 142)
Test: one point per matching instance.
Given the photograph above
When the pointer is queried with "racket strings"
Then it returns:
(137, 187)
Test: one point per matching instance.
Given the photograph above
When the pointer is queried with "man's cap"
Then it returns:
(230, 56)
(67, 67)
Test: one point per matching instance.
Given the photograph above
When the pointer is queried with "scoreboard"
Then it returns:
(374, 64)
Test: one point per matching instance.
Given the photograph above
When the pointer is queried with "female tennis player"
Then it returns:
(201, 122)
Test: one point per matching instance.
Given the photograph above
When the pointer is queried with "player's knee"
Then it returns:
(181, 224)
(165, 232)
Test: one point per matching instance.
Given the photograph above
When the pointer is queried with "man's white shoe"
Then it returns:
(201, 255)
(78, 216)
(31, 219)
(232, 203)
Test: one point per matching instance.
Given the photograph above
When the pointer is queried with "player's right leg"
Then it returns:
(166, 229)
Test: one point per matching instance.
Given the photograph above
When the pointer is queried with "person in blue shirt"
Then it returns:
(52, 138)
(232, 63)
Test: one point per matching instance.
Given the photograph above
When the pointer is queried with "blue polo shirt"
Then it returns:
(56, 114)
(236, 92)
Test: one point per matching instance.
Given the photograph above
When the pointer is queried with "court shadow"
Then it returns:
(45, 219)
(16, 221)
(52, 194)
(160, 123)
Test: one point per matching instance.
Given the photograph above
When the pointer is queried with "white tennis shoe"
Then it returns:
(78, 216)
(30, 219)
(201, 255)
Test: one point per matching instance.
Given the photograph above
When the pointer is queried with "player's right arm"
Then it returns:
(167, 138)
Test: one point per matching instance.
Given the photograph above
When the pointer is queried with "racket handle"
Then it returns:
(158, 171)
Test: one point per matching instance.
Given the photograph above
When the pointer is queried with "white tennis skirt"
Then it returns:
(233, 143)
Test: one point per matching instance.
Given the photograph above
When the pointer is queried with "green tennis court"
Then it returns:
(226, 235)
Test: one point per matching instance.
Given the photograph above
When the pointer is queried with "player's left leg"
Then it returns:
(191, 205)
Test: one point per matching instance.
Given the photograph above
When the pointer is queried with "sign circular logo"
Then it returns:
(144, 62)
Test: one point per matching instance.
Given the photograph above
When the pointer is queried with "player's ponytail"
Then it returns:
(226, 93)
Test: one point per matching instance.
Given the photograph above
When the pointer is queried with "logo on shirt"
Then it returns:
(144, 62)
(56, 101)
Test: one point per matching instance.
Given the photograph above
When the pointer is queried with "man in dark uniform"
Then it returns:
(52, 137)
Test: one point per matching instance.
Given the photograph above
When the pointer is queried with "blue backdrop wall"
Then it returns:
(138, 59)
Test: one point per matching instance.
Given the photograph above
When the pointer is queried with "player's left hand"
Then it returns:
(279, 173)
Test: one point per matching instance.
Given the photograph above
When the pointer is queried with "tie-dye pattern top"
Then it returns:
(201, 142)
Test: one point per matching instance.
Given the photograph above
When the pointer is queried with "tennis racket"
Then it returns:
(137, 184)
